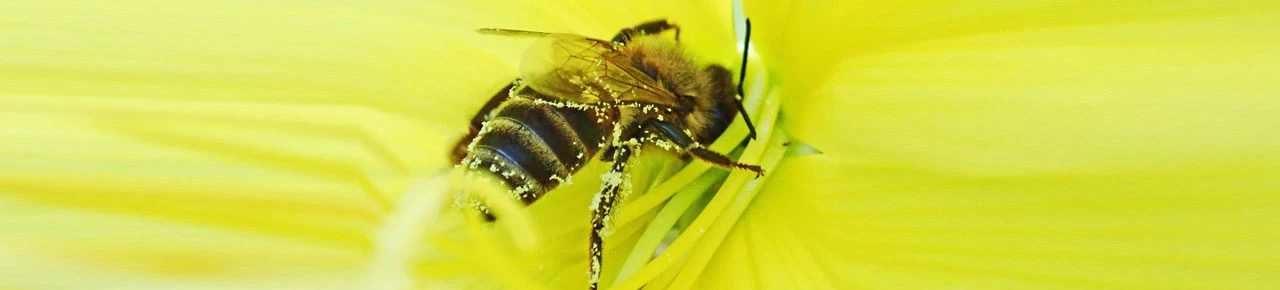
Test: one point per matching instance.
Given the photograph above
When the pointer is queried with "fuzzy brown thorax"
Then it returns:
(701, 91)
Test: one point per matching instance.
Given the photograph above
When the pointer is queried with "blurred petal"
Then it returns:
(216, 145)
(1048, 66)
(159, 195)
(1035, 146)
(308, 52)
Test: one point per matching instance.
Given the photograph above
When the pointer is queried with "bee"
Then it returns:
(578, 97)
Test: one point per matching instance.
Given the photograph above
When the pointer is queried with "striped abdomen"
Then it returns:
(533, 147)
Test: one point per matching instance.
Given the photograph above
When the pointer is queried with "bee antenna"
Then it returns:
(742, 77)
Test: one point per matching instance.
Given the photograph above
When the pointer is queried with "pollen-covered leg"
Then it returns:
(612, 189)
(723, 161)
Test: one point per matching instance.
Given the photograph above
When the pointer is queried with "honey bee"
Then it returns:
(578, 97)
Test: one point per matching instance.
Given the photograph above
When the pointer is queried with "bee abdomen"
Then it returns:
(534, 147)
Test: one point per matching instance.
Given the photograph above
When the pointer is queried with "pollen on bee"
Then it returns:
(663, 144)
(521, 190)
(595, 269)
(624, 189)
(611, 178)
(559, 179)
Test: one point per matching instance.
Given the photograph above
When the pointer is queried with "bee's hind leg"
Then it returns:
(651, 27)
(612, 190)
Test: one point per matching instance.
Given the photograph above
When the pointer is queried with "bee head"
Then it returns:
(716, 117)
(705, 95)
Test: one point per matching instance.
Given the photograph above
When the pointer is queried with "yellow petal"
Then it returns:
(916, 228)
(801, 41)
(140, 194)
(236, 145)
(1038, 67)
(280, 52)
(1109, 145)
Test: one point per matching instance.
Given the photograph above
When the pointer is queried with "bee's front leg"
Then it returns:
(670, 130)
(614, 184)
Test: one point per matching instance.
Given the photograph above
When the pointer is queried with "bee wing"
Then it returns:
(584, 70)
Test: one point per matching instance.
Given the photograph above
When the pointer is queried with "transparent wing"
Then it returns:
(588, 71)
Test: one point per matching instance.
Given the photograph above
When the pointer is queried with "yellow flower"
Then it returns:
(984, 145)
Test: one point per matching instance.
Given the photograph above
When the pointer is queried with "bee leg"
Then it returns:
(607, 155)
(651, 27)
(667, 130)
(628, 135)
(723, 161)
(611, 191)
